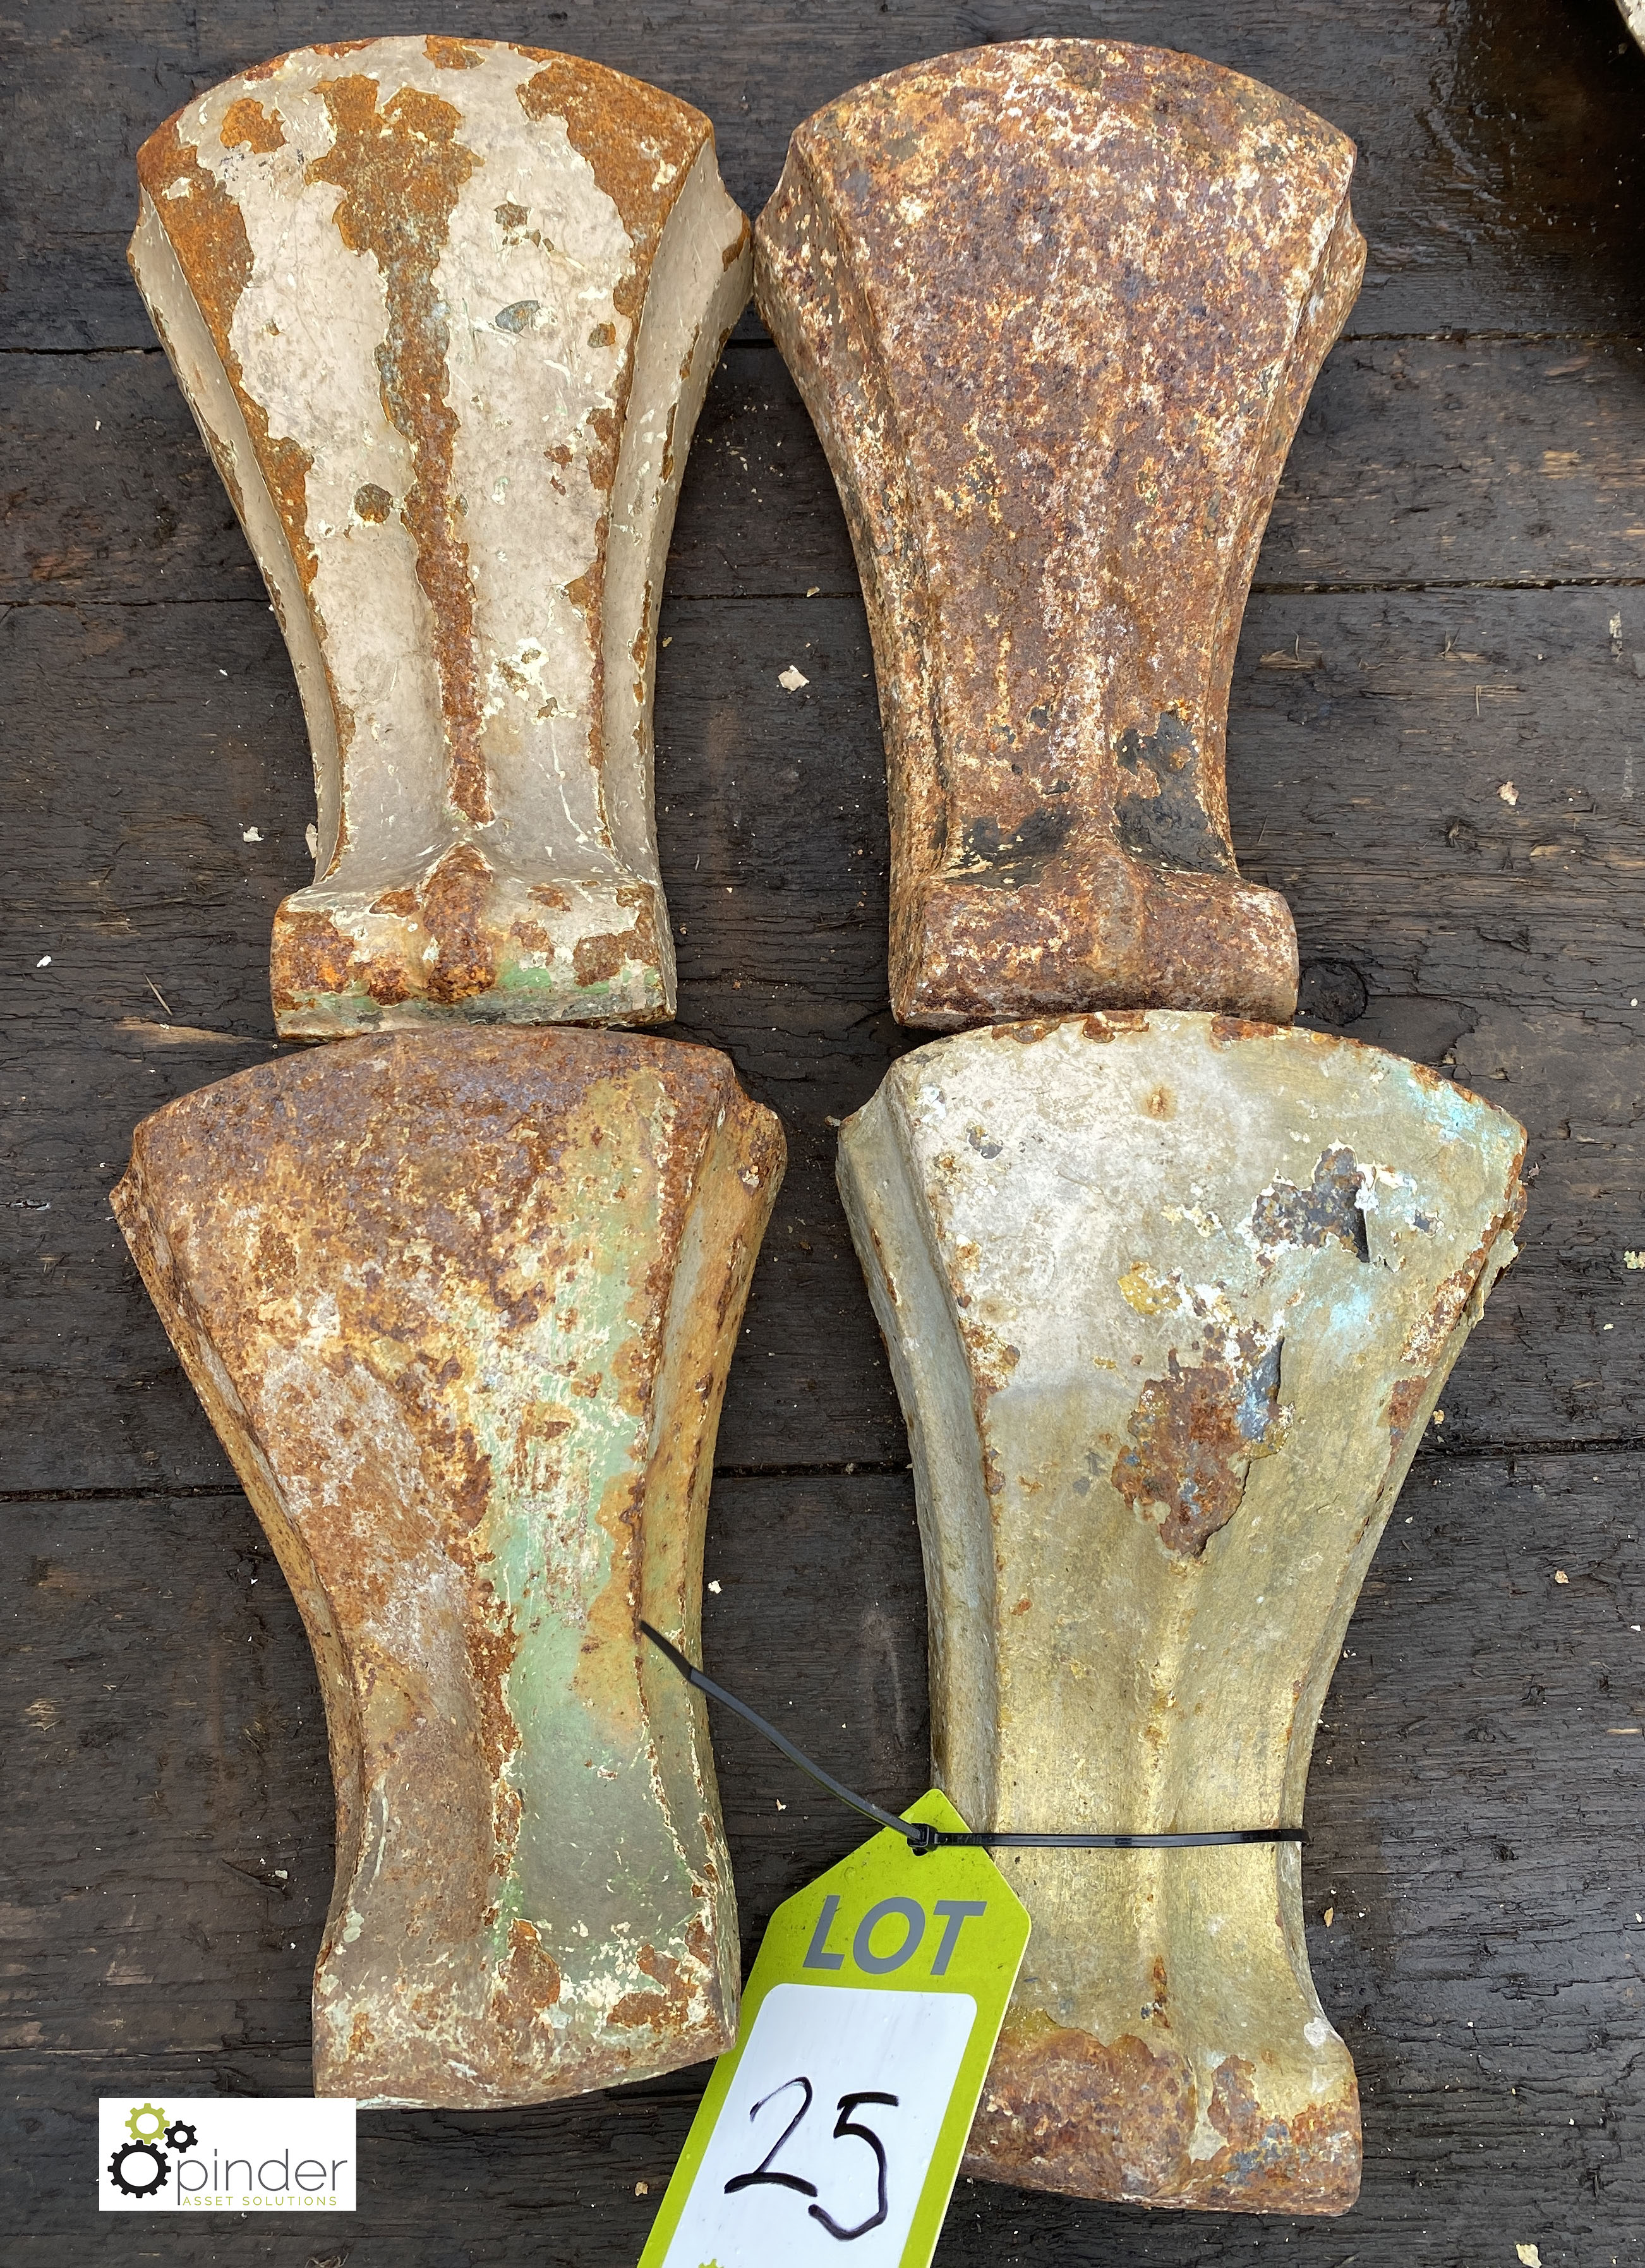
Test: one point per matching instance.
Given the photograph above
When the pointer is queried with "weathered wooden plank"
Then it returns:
(107, 486)
(1420, 461)
(1447, 461)
(142, 814)
(1502, 940)
(1483, 1969)
(1475, 1851)
(155, 1666)
(1501, 161)
(1366, 785)
(108, 494)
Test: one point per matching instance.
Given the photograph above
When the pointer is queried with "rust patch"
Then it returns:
(991, 1359)
(597, 959)
(472, 924)
(1434, 1325)
(1428, 1333)
(350, 1248)
(1327, 1212)
(246, 125)
(1115, 1024)
(640, 649)
(1270, 2164)
(372, 502)
(1059, 830)
(386, 983)
(316, 958)
(450, 55)
(527, 936)
(604, 427)
(1194, 1435)
(492, 1645)
(529, 1982)
(1063, 2112)
(1404, 1401)
(660, 2010)
(627, 132)
(641, 942)
(888, 1281)
(586, 594)
(402, 170)
(452, 904)
(1228, 1031)
(209, 236)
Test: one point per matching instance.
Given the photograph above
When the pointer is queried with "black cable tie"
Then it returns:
(920, 1836)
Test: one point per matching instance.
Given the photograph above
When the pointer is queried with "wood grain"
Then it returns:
(1420, 463)
(1502, 941)
(1483, 1969)
(1501, 160)
(1464, 498)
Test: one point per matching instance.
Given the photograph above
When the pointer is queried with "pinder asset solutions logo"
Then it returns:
(263, 2153)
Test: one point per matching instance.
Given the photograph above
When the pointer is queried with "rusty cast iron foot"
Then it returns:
(1055, 308)
(461, 1305)
(446, 311)
(1168, 1299)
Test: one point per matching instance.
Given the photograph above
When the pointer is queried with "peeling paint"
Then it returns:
(1194, 1434)
(446, 310)
(1330, 1207)
(471, 1384)
(1164, 1365)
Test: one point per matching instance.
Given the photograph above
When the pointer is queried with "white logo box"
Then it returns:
(214, 2154)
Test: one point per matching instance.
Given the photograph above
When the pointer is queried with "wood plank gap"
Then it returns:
(1608, 1445)
(111, 354)
(1457, 338)
(138, 1495)
(1364, 590)
(794, 599)
(857, 1470)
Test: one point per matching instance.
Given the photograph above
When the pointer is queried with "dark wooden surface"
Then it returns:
(1451, 596)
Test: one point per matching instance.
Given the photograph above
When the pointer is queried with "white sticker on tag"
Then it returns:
(840, 2116)
(828, 2130)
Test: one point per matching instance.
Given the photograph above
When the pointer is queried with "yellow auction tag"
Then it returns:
(840, 2116)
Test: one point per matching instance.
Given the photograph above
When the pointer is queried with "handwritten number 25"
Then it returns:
(845, 2124)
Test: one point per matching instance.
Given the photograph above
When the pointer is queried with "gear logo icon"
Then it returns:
(138, 2169)
(181, 2135)
(146, 2123)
